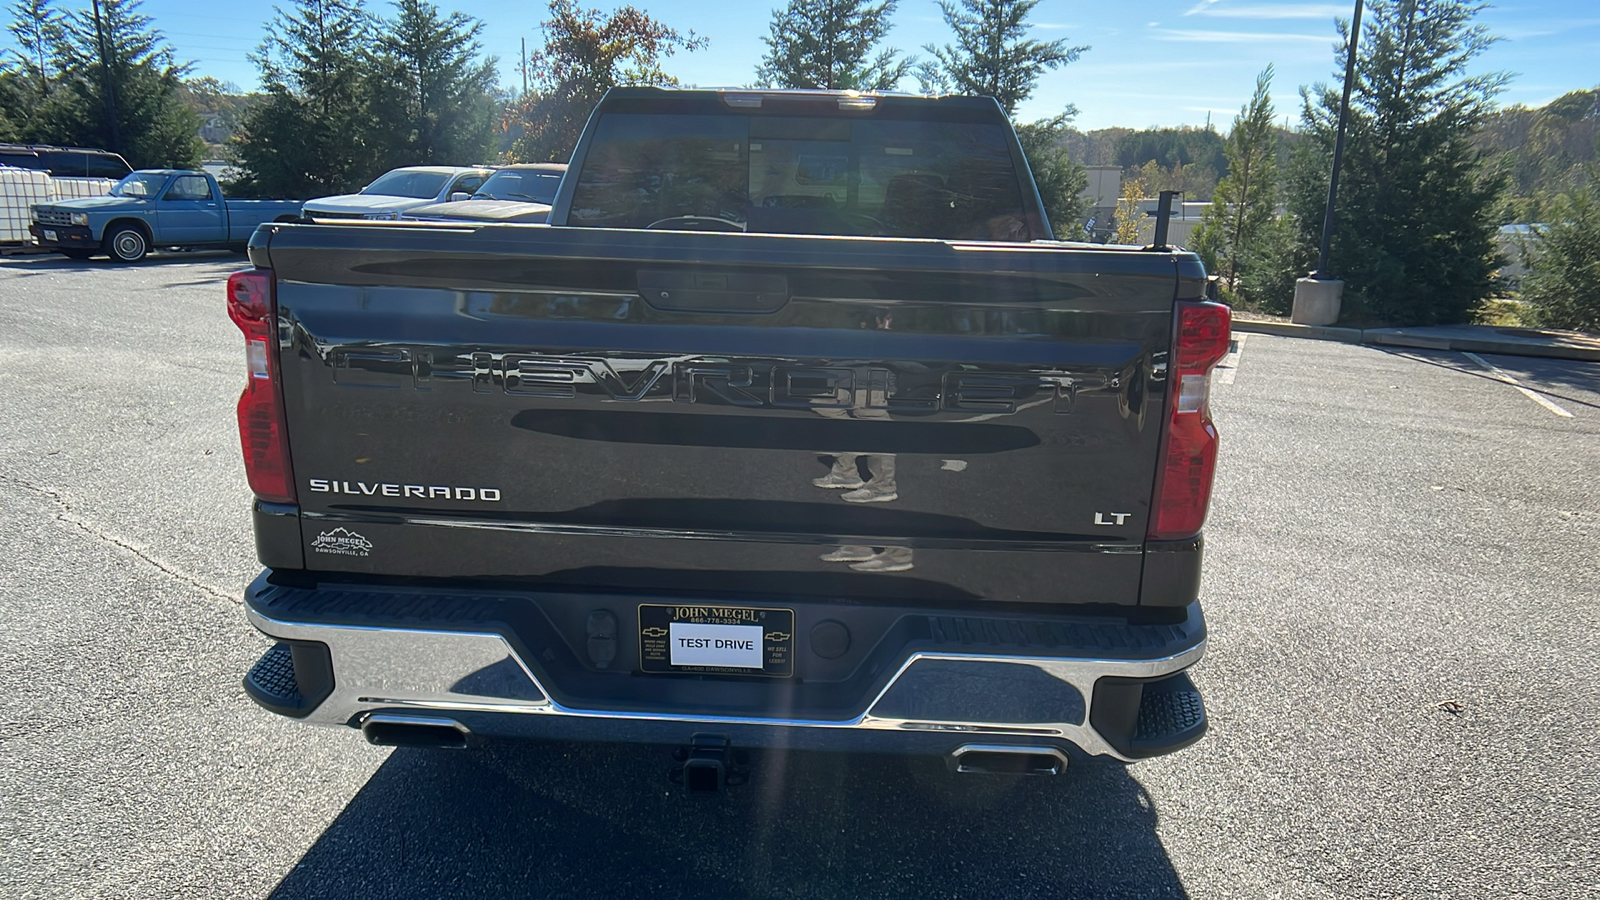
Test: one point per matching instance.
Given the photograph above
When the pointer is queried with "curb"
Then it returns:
(1389, 337)
(1309, 332)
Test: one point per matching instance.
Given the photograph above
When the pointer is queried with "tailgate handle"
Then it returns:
(719, 292)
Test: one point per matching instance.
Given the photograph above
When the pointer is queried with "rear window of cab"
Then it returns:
(801, 175)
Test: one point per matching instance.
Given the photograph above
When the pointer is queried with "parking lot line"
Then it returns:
(1531, 395)
(1228, 368)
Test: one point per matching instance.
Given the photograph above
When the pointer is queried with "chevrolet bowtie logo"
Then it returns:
(778, 636)
(654, 632)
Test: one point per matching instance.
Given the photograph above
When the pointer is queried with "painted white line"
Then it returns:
(1503, 376)
(1228, 368)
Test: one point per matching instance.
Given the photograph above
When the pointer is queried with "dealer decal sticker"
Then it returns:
(343, 542)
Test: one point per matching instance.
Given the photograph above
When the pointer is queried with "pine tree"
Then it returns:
(8, 94)
(825, 44)
(1270, 265)
(585, 53)
(1245, 200)
(117, 88)
(36, 27)
(313, 135)
(1414, 224)
(1059, 177)
(432, 96)
(1563, 282)
(991, 56)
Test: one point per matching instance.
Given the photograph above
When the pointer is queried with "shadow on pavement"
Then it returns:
(1567, 374)
(1543, 375)
(36, 264)
(564, 819)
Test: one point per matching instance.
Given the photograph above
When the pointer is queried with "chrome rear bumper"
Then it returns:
(461, 673)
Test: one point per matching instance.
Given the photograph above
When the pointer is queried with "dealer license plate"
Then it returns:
(49, 235)
(729, 640)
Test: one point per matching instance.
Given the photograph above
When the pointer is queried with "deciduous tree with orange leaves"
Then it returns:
(585, 52)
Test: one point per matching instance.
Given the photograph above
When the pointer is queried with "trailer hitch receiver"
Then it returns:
(708, 764)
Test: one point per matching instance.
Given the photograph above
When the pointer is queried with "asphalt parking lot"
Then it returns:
(1402, 587)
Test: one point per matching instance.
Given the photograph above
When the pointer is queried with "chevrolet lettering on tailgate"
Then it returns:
(751, 384)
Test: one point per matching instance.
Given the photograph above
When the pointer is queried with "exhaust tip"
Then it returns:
(390, 730)
(1006, 759)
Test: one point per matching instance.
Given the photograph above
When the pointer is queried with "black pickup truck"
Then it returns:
(793, 428)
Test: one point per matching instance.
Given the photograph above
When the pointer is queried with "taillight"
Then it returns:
(261, 424)
(1201, 336)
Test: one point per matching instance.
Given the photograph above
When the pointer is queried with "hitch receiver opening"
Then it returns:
(708, 764)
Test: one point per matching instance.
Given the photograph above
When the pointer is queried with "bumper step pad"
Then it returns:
(291, 678)
(273, 676)
(1144, 717)
(1168, 717)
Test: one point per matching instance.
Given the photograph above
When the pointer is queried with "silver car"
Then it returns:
(520, 193)
(399, 191)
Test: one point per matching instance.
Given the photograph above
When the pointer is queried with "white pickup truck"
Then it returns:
(399, 191)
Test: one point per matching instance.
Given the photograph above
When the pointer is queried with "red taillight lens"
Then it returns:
(1201, 336)
(261, 425)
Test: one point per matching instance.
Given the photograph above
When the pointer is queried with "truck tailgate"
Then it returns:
(836, 417)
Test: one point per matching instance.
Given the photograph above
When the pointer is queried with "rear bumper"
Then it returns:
(510, 664)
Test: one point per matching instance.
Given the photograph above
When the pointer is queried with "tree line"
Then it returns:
(811, 44)
(1431, 167)
(1423, 190)
(99, 76)
(348, 93)
(1545, 151)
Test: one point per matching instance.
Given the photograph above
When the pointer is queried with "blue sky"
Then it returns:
(1157, 62)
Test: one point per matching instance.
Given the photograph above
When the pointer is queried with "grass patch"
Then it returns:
(1502, 312)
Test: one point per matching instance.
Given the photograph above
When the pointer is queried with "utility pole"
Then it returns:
(105, 80)
(524, 67)
(1317, 297)
(44, 77)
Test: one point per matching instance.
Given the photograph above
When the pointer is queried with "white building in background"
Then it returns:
(1105, 187)
(1185, 220)
(1511, 242)
(1102, 191)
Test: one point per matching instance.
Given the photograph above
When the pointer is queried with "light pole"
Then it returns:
(1316, 297)
(1321, 270)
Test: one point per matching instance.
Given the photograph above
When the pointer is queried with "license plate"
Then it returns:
(726, 640)
(49, 235)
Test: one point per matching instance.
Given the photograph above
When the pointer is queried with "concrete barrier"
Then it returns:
(1316, 301)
